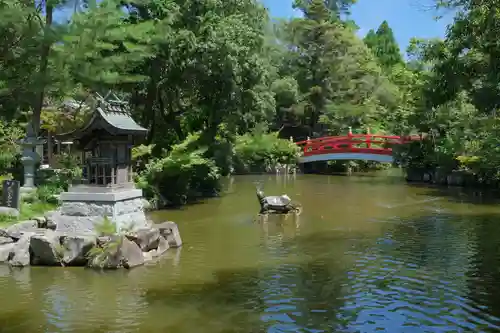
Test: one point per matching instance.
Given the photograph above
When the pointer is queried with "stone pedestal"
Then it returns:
(85, 206)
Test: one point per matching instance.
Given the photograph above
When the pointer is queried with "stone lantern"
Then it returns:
(106, 188)
(29, 158)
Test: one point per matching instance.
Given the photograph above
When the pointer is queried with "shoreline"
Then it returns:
(454, 178)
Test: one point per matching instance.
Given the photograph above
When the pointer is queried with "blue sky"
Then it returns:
(407, 18)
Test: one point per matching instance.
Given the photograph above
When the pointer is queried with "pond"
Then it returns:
(369, 253)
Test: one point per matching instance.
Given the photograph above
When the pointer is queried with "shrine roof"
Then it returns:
(119, 117)
(113, 116)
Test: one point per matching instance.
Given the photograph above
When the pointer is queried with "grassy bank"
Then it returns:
(28, 211)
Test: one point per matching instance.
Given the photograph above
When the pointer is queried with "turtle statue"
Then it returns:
(277, 204)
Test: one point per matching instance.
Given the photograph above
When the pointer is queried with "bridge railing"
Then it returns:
(355, 143)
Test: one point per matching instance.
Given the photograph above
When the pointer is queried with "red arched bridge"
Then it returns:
(368, 147)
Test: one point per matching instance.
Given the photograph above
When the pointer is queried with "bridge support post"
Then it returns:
(368, 139)
(349, 134)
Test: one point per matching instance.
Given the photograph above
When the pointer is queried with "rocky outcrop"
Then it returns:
(117, 252)
(15, 231)
(44, 247)
(5, 251)
(170, 232)
(146, 238)
(5, 240)
(8, 211)
(74, 249)
(20, 253)
(35, 243)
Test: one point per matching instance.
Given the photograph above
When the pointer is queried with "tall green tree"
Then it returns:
(339, 81)
(187, 66)
(18, 56)
(384, 46)
(371, 39)
(336, 7)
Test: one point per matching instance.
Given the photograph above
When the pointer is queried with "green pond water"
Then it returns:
(368, 254)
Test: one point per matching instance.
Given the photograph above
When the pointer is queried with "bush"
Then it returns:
(48, 193)
(10, 134)
(181, 176)
(263, 152)
(140, 157)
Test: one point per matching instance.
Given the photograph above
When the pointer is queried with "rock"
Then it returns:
(131, 254)
(107, 255)
(440, 176)
(456, 178)
(5, 240)
(5, 251)
(49, 220)
(146, 238)
(17, 230)
(150, 223)
(118, 252)
(4, 233)
(75, 249)
(46, 248)
(51, 225)
(146, 204)
(162, 246)
(149, 256)
(9, 211)
(170, 232)
(20, 253)
(41, 221)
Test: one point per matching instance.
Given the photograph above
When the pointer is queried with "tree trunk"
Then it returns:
(44, 62)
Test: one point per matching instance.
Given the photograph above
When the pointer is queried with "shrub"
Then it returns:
(180, 176)
(140, 156)
(262, 152)
(10, 134)
(54, 181)
(48, 193)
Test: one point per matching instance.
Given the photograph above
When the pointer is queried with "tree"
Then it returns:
(335, 7)
(339, 81)
(384, 46)
(19, 29)
(371, 39)
(186, 66)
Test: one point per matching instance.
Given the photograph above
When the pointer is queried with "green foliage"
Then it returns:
(180, 176)
(262, 152)
(106, 227)
(332, 79)
(140, 156)
(10, 134)
(459, 93)
(48, 193)
(59, 180)
(384, 46)
(99, 256)
(29, 210)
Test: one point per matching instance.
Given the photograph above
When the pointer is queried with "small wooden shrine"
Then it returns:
(105, 143)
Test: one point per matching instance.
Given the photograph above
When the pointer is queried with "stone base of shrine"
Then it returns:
(84, 207)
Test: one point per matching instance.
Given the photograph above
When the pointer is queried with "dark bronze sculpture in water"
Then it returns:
(277, 204)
